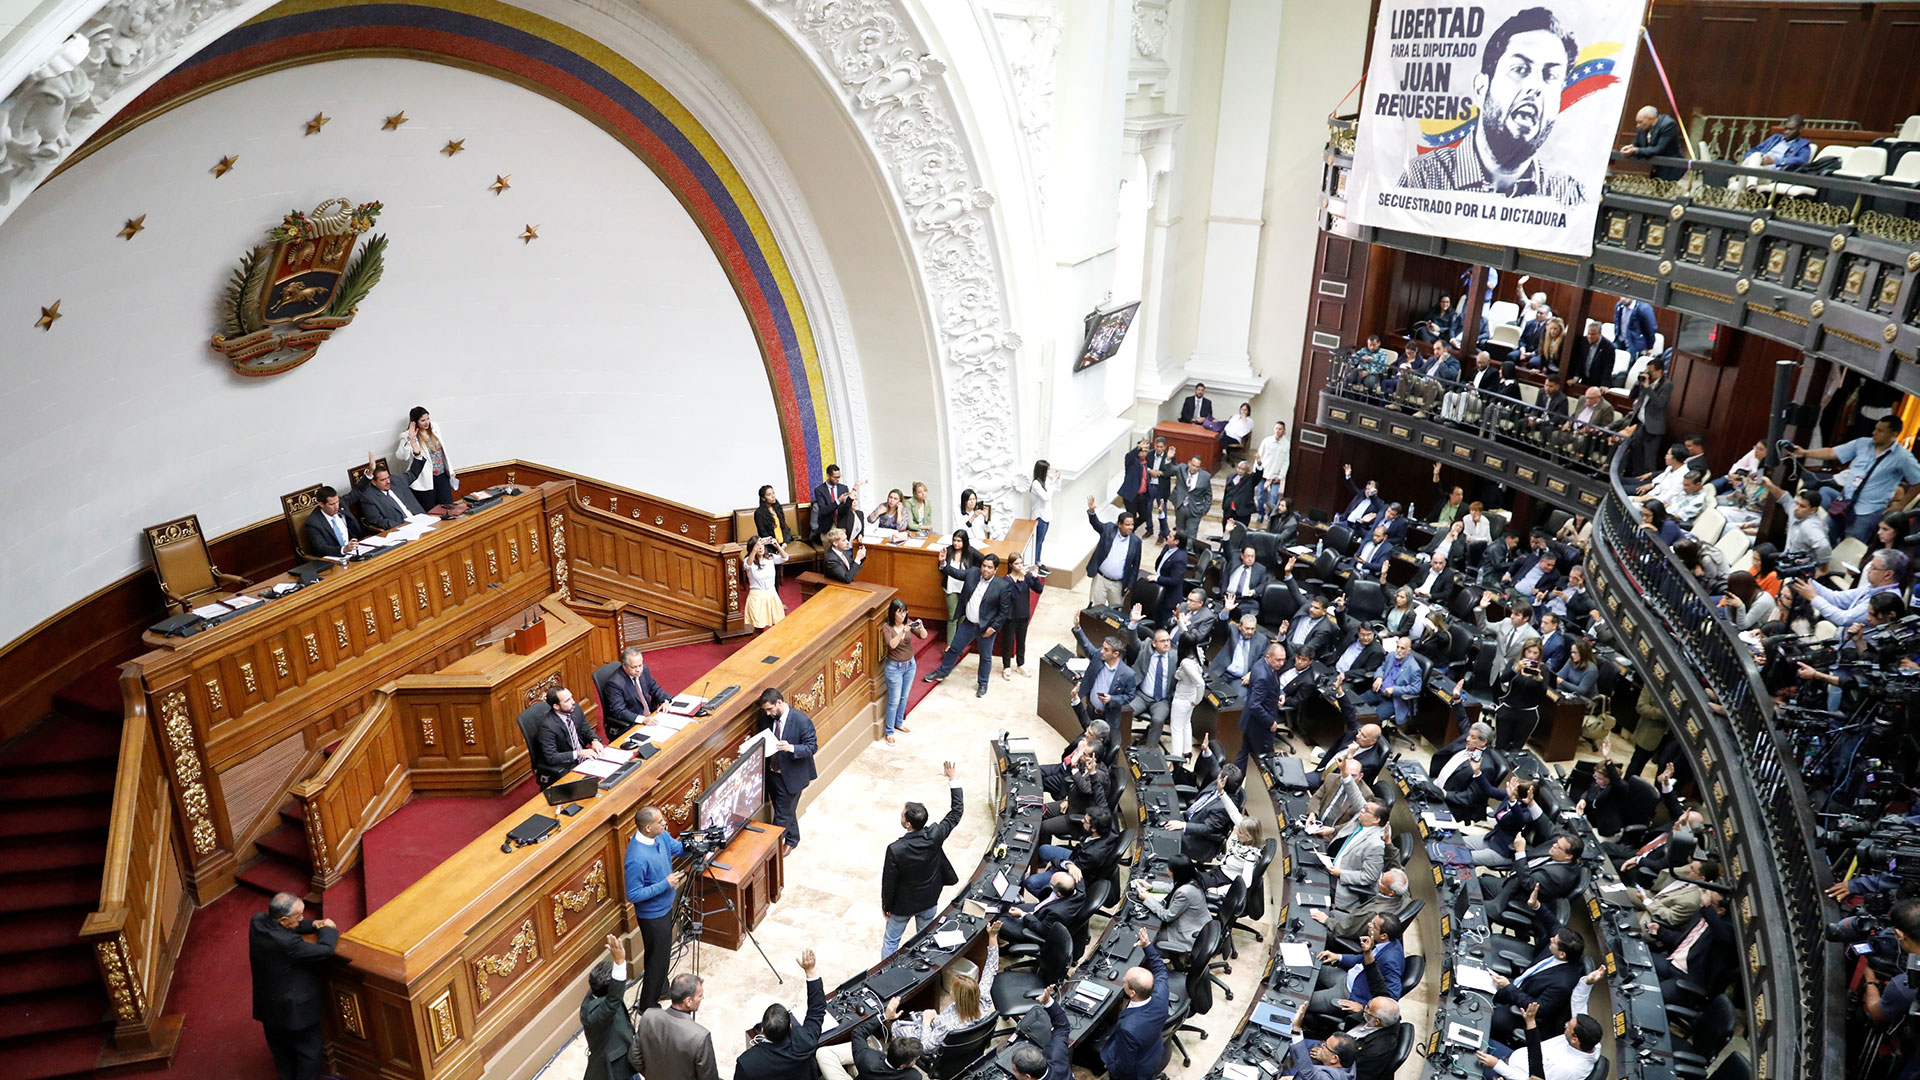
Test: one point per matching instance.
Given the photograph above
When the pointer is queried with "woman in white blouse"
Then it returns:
(975, 516)
(1046, 481)
(1478, 525)
(424, 459)
(1239, 426)
(1189, 687)
(964, 999)
(762, 564)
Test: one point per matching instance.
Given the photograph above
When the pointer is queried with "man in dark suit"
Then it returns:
(1300, 681)
(1063, 903)
(1153, 678)
(604, 1016)
(563, 738)
(1655, 134)
(1197, 407)
(289, 983)
(986, 603)
(330, 531)
(1107, 685)
(632, 693)
(1436, 582)
(1206, 822)
(894, 1058)
(1170, 573)
(380, 503)
(833, 506)
(1238, 656)
(1029, 1063)
(1371, 559)
(1312, 629)
(1634, 326)
(1367, 506)
(784, 1050)
(1647, 420)
(1242, 583)
(916, 868)
(841, 562)
(790, 765)
(1134, 1049)
(1137, 484)
(1540, 877)
(1555, 408)
(1548, 981)
(1237, 501)
(1592, 361)
(1115, 563)
(1260, 712)
(1360, 656)
(1701, 952)
(1555, 644)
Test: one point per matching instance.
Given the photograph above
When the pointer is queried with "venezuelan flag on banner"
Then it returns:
(1435, 134)
(1592, 73)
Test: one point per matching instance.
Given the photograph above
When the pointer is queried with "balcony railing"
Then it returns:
(1710, 688)
(1505, 439)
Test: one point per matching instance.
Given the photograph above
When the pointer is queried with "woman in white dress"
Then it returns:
(1046, 481)
(1189, 686)
(762, 564)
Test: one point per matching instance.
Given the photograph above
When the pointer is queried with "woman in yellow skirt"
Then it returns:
(764, 606)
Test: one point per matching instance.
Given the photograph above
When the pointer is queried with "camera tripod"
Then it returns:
(691, 911)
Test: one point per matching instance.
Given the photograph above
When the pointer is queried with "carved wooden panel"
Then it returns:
(504, 961)
(850, 666)
(585, 891)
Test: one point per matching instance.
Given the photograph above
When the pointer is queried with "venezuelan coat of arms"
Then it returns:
(290, 294)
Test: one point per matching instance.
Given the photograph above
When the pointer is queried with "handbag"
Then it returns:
(1599, 719)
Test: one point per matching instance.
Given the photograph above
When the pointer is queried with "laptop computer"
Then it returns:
(574, 791)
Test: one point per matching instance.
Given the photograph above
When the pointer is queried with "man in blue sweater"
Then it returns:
(652, 885)
(1134, 1049)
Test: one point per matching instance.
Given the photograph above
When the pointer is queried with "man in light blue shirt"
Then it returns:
(1881, 470)
(1843, 607)
(1785, 149)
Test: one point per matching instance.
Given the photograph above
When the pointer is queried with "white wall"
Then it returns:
(608, 346)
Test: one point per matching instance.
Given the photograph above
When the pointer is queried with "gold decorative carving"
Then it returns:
(1742, 286)
(1757, 226)
(214, 697)
(659, 519)
(1889, 290)
(733, 586)
(1777, 261)
(393, 601)
(442, 1029)
(713, 533)
(493, 564)
(117, 970)
(1657, 234)
(503, 964)
(1838, 242)
(513, 550)
(340, 632)
(1736, 250)
(366, 614)
(1813, 213)
(1890, 333)
(1817, 308)
(280, 662)
(466, 731)
(317, 841)
(533, 538)
(1676, 211)
(246, 676)
(683, 528)
(1666, 267)
(186, 769)
(1856, 281)
(557, 541)
(539, 690)
(420, 594)
(470, 577)
(809, 700)
(313, 648)
(681, 812)
(592, 890)
(446, 584)
(1815, 269)
(426, 731)
(348, 1004)
(853, 666)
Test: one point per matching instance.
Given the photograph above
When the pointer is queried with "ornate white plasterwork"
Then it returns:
(65, 93)
(871, 53)
(1150, 19)
(1029, 34)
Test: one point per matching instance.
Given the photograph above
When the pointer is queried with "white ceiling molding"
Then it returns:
(874, 56)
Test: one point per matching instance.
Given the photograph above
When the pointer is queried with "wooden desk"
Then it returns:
(435, 981)
(1190, 441)
(746, 878)
(912, 569)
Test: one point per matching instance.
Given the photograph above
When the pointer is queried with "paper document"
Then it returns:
(425, 521)
(1295, 954)
(657, 733)
(1020, 744)
(283, 588)
(212, 611)
(764, 736)
(948, 939)
(597, 767)
(1439, 822)
(668, 720)
(835, 1020)
(1077, 665)
(615, 755)
(237, 602)
(1474, 977)
(686, 704)
(374, 542)
(1324, 861)
(1240, 1070)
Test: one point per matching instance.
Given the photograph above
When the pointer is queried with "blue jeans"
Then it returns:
(897, 926)
(968, 633)
(899, 675)
(1039, 540)
(1052, 858)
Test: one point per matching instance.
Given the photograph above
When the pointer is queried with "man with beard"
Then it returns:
(1522, 71)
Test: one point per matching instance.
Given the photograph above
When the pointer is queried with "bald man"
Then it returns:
(1656, 135)
(1134, 1049)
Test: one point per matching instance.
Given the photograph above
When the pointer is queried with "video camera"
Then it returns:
(703, 844)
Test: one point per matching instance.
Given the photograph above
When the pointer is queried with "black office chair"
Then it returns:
(1338, 539)
(1257, 894)
(1192, 996)
(1410, 911)
(1704, 1038)
(1278, 603)
(964, 1045)
(1403, 842)
(1098, 893)
(1404, 1038)
(1736, 1067)
(1366, 600)
(529, 721)
(1461, 607)
(1145, 593)
(1232, 906)
(1014, 989)
(1410, 973)
(1600, 1068)
(1324, 575)
(1266, 549)
(600, 676)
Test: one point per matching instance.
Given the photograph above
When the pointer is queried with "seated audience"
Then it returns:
(1784, 149)
(966, 994)
(1183, 915)
(632, 693)
(841, 562)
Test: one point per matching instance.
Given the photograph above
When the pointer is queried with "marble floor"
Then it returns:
(831, 902)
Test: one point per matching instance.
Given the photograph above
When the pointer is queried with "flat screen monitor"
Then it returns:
(738, 794)
(1105, 331)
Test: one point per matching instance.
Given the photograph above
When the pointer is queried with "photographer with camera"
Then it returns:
(1883, 470)
(1892, 1002)
(1887, 571)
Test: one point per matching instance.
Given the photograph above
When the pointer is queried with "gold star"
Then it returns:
(499, 184)
(47, 315)
(319, 121)
(225, 166)
(393, 122)
(134, 225)
(453, 147)
(532, 234)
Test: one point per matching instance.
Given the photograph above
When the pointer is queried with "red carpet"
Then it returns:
(425, 833)
(212, 985)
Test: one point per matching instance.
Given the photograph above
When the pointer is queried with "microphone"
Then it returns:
(528, 604)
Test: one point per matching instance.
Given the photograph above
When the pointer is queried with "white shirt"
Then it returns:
(1425, 588)
(1477, 530)
(1238, 426)
(1115, 564)
(1159, 676)
(973, 605)
(954, 584)
(1558, 1056)
(1042, 492)
(1241, 576)
(766, 576)
(1275, 456)
(1666, 486)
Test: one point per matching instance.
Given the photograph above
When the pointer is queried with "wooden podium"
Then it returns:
(749, 873)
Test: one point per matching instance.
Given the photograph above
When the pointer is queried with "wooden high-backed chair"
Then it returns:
(296, 507)
(362, 472)
(186, 572)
